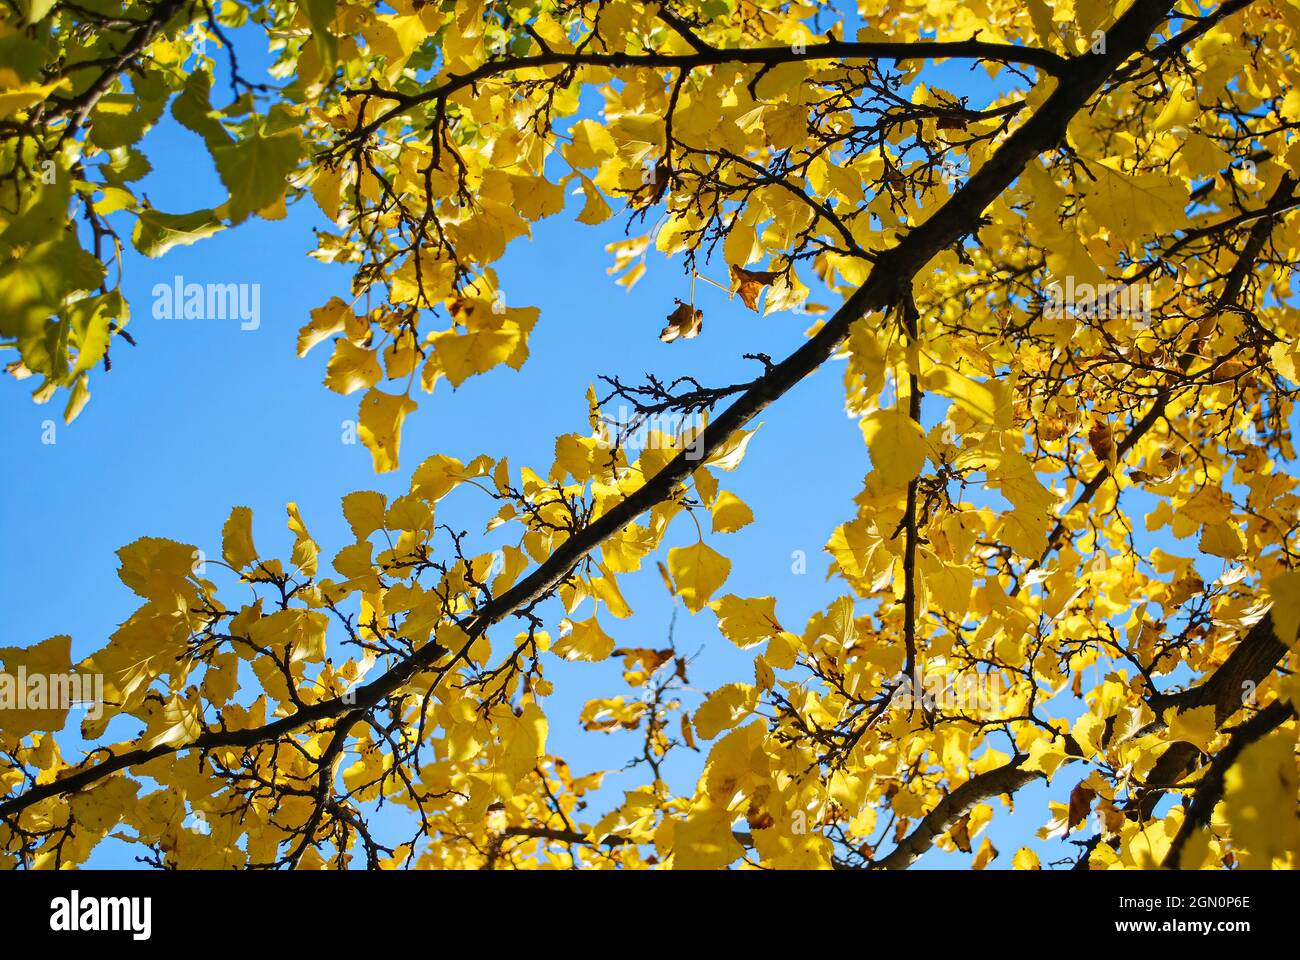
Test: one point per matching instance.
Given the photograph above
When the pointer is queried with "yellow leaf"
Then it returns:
(1222, 540)
(986, 854)
(325, 322)
(704, 840)
(13, 99)
(523, 742)
(305, 551)
(380, 428)
(364, 511)
(732, 450)
(158, 569)
(897, 445)
(697, 572)
(1025, 859)
(1087, 732)
(1285, 593)
(1196, 727)
(174, 722)
(1259, 799)
(1132, 206)
(746, 622)
(595, 210)
(724, 708)
(683, 323)
(782, 850)
(586, 641)
(299, 633)
(352, 368)
(237, 538)
(988, 402)
(21, 712)
(591, 144)
(730, 513)
(1045, 755)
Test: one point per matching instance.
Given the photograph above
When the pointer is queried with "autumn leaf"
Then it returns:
(1080, 805)
(381, 420)
(986, 854)
(1025, 859)
(237, 539)
(897, 444)
(697, 571)
(750, 283)
(1102, 441)
(683, 323)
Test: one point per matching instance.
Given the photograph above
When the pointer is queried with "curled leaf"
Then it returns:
(750, 284)
(683, 323)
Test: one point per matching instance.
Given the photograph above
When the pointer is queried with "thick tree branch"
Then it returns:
(1210, 789)
(902, 50)
(141, 36)
(1007, 778)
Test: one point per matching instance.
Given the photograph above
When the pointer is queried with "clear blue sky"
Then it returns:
(202, 415)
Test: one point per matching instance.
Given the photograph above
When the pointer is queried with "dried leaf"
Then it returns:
(1081, 798)
(1102, 441)
(750, 284)
(683, 323)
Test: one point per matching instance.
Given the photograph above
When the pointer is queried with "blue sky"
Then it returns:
(203, 415)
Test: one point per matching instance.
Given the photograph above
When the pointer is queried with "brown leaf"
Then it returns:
(758, 819)
(1080, 804)
(1227, 370)
(639, 663)
(751, 283)
(1051, 428)
(960, 834)
(1101, 440)
(683, 323)
(1112, 817)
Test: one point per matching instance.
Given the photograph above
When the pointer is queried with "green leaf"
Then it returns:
(156, 232)
(34, 286)
(41, 218)
(255, 170)
(92, 320)
(121, 119)
(193, 110)
(126, 164)
(34, 11)
(320, 13)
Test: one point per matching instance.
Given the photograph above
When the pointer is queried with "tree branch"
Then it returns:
(1210, 790)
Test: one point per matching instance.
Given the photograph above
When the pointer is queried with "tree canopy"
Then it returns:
(1061, 297)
